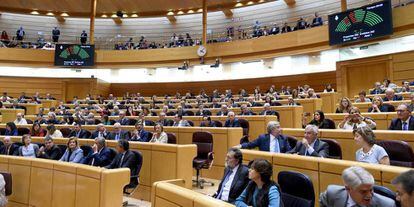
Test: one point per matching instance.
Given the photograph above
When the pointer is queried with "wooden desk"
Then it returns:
(47, 183)
(329, 101)
(49, 103)
(363, 107)
(9, 115)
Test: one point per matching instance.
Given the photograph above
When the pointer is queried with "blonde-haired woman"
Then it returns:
(344, 106)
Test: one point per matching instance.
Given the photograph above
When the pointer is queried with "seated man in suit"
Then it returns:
(377, 89)
(51, 118)
(78, 131)
(19, 119)
(223, 111)
(180, 110)
(404, 184)
(245, 111)
(390, 95)
(267, 111)
(207, 122)
(273, 141)
(404, 120)
(179, 122)
(215, 105)
(123, 120)
(101, 155)
(358, 191)
(235, 179)
(118, 133)
(292, 102)
(50, 150)
(100, 132)
(201, 111)
(232, 121)
(311, 145)
(139, 133)
(9, 148)
(163, 121)
(317, 20)
(49, 97)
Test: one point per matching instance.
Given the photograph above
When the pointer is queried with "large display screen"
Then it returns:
(70, 55)
(367, 22)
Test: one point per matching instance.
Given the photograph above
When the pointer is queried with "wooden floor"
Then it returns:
(207, 190)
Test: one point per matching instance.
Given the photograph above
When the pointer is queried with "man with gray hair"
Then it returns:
(100, 132)
(404, 120)
(272, 141)
(311, 145)
(101, 155)
(232, 121)
(404, 184)
(357, 192)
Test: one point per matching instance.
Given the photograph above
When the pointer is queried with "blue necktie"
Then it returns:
(117, 137)
(277, 147)
(226, 178)
(405, 126)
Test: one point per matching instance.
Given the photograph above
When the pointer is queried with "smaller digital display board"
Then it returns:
(72, 55)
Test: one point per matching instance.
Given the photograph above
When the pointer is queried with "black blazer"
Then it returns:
(12, 150)
(102, 158)
(129, 161)
(124, 121)
(82, 134)
(240, 181)
(53, 154)
(123, 135)
(220, 113)
(321, 149)
(96, 134)
(263, 142)
(396, 124)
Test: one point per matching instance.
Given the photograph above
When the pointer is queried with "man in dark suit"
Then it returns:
(235, 179)
(101, 155)
(245, 111)
(377, 89)
(232, 121)
(215, 105)
(405, 120)
(317, 21)
(358, 191)
(124, 158)
(118, 133)
(311, 145)
(273, 141)
(223, 111)
(163, 121)
(390, 95)
(267, 111)
(202, 112)
(123, 120)
(100, 132)
(207, 122)
(9, 148)
(50, 150)
(404, 184)
(180, 122)
(78, 131)
(139, 133)
(286, 28)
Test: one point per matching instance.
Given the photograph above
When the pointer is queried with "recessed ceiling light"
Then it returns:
(64, 14)
(239, 4)
(125, 15)
(134, 15)
(200, 10)
(170, 13)
(250, 3)
(50, 14)
(114, 16)
(180, 12)
(104, 16)
(34, 12)
(190, 11)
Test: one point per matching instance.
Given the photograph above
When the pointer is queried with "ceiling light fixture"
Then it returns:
(250, 3)
(34, 12)
(190, 11)
(50, 14)
(134, 15)
(104, 16)
(200, 10)
(238, 5)
(114, 16)
(170, 13)
(180, 12)
(64, 14)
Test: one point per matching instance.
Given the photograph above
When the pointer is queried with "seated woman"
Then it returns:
(369, 151)
(53, 132)
(345, 106)
(37, 130)
(318, 120)
(11, 129)
(28, 149)
(328, 88)
(159, 135)
(362, 97)
(354, 120)
(261, 190)
(378, 105)
(73, 152)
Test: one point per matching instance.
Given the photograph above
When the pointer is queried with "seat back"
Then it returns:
(29, 121)
(2, 131)
(172, 139)
(23, 130)
(399, 152)
(150, 123)
(218, 123)
(289, 182)
(384, 191)
(332, 124)
(88, 134)
(189, 113)
(245, 125)
(204, 142)
(62, 148)
(190, 122)
(291, 140)
(134, 181)
(293, 201)
(132, 122)
(9, 182)
(170, 113)
(335, 151)
(112, 154)
(65, 132)
(87, 150)
(97, 121)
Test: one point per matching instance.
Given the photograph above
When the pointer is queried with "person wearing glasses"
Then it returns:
(404, 120)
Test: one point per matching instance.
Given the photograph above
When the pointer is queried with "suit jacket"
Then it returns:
(143, 136)
(235, 123)
(377, 91)
(13, 149)
(102, 158)
(82, 134)
(268, 112)
(209, 124)
(396, 124)
(166, 122)
(53, 154)
(129, 161)
(240, 181)
(182, 123)
(122, 135)
(205, 112)
(263, 142)
(321, 149)
(249, 113)
(220, 113)
(96, 134)
(337, 196)
(395, 98)
(124, 121)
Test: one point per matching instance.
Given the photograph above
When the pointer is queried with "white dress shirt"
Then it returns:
(350, 202)
(226, 186)
(22, 121)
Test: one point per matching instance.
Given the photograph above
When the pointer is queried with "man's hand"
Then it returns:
(305, 143)
(95, 148)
